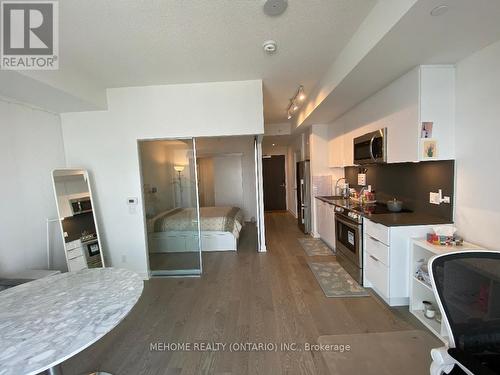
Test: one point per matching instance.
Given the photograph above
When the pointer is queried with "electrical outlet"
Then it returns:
(434, 198)
(361, 179)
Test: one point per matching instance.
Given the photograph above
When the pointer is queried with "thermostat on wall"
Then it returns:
(132, 204)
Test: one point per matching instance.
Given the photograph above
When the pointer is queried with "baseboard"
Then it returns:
(293, 214)
(315, 235)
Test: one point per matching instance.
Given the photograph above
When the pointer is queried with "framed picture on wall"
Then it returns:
(429, 149)
(426, 131)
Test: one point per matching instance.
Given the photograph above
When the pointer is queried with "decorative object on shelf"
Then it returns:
(430, 311)
(422, 272)
(444, 236)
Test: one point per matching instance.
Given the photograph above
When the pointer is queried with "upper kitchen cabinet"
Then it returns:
(419, 104)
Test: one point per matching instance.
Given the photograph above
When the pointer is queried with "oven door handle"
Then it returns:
(349, 224)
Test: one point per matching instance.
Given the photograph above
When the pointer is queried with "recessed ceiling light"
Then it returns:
(274, 8)
(439, 10)
(270, 46)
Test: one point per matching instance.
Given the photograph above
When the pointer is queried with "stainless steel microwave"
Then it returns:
(81, 205)
(371, 148)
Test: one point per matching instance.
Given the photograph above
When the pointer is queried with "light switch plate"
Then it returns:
(434, 198)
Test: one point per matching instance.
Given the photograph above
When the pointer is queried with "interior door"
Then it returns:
(274, 181)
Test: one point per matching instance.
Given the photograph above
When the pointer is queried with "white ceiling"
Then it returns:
(417, 38)
(117, 43)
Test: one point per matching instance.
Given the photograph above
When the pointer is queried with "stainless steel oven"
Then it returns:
(92, 253)
(371, 147)
(349, 242)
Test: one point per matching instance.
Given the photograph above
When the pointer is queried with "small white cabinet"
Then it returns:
(75, 257)
(386, 259)
(325, 222)
(420, 252)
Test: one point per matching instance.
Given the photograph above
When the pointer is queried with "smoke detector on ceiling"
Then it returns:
(275, 7)
(270, 47)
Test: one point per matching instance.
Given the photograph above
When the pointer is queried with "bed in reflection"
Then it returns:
(176, 230)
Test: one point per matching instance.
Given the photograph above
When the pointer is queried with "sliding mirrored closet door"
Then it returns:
(169, 178)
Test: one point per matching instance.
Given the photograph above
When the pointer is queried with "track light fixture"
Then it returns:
(296, 102)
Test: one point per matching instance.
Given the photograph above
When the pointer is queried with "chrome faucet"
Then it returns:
(337, 185)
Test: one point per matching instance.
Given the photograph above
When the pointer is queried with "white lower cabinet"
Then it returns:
(75, 256)
(386, 259)
(325, 222)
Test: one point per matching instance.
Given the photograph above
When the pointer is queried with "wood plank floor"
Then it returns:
(241, 297)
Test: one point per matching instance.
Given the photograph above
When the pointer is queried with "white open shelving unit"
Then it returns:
(420, 291)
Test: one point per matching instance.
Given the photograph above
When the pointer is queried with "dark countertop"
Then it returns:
(398, 219)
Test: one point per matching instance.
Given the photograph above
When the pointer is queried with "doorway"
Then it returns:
(274, 182)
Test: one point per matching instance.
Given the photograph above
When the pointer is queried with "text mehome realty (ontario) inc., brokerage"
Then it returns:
(247, 347)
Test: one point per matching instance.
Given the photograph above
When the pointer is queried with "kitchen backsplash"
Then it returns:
(322, 185)
(75, 225)
(411, 183)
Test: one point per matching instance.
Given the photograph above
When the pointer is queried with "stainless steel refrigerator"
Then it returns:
(304, 195)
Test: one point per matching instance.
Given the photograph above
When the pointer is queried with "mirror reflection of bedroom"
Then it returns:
(179, 226)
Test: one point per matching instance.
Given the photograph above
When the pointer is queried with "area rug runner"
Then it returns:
(335, 281)
(314, 247)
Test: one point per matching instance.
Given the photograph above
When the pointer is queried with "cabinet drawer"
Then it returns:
(377, 231)
(74, 253)
(378, 274)
(77, 264)
(377, 249)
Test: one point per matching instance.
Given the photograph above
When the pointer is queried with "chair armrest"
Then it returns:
(469, 362)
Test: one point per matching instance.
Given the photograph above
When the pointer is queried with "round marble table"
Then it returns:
(46, 321)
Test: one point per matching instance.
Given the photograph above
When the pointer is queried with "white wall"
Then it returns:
(157, 172)
(214, 146)
(228, 178)
(477, 148)
(31, 145)
(105, 143)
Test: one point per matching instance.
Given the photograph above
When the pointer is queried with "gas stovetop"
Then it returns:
(88, 237)
(374, 209)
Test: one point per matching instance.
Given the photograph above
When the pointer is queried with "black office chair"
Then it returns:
(467, 289)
